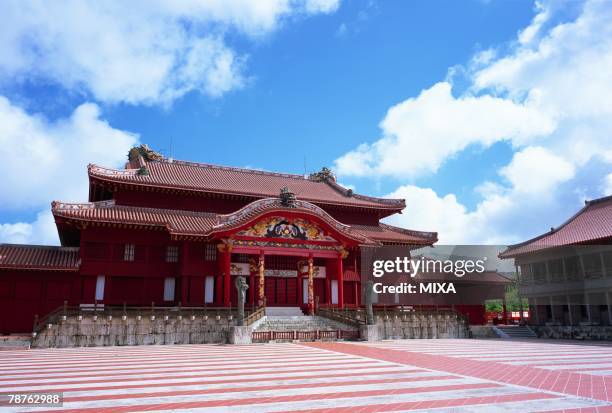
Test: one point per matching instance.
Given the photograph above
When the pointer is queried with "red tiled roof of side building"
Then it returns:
(199, 177)
(592, 224)
(38, 257)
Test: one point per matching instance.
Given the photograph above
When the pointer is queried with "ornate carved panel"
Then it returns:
(287, 228)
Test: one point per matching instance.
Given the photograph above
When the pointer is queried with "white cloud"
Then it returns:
(549, 96)
(45, 160)
(422, 132)
(138, 52)
(427, 211)
(322, 6)
(498, 216)
(42, 231)
(536, 169)
(529, 33)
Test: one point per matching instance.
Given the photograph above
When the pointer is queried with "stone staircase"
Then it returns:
(15, 342)
(301, 328)
(300, 323)
(284, 311)
(515, 332)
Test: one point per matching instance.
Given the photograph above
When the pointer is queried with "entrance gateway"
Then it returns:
(286, 281)
(294, 256)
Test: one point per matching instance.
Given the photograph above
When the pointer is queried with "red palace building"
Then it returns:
(170, 232)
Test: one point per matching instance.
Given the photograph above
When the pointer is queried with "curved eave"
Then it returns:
(254, 211)
(66, 215)
(411, 245)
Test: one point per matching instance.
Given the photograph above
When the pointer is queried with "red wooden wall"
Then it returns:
(26, 293)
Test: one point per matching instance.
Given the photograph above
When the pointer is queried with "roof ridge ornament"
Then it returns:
(146, 152)
(325, 174)
(287, 198)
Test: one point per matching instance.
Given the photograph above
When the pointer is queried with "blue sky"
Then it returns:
(476, 112)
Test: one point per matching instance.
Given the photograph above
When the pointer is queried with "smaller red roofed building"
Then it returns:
(567, 273)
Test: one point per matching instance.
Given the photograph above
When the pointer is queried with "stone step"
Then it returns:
(300, 323)
(517, 331)
(284, 311)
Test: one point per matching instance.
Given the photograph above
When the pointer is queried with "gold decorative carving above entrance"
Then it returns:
(288, 228)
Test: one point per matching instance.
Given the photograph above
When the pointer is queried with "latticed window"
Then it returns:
(242, 258)
(210, 253)
(526, 275)
(572, 268)
(172, 253)
(592, 265)
(607, 260)
(539, 272)
(128, 252)
(281, 262)
(555, 267)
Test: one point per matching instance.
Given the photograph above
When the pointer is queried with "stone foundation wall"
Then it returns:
(574, 332)
(420, 326)
(115, 331)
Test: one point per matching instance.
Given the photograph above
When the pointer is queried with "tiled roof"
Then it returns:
(175, 221)
(591, 224)
(39, 257)
(179, 222)
(238, 181)
(390, 234)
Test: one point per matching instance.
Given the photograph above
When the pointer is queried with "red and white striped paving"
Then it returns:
(313, 377)
(587, 357)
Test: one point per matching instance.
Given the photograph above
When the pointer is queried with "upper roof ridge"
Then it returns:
(57, 205)
(229, 168)
(314, 177)
(598, 200)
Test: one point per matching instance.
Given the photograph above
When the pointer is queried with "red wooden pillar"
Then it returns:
(227, 262)
(340, 281)
(261, 283)
(184, 278)
(311, 303)
(357, 283)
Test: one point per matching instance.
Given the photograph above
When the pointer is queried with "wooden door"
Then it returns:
(270, 291)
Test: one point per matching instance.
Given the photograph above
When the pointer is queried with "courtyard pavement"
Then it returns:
(398, 376)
